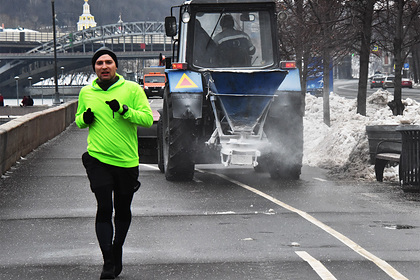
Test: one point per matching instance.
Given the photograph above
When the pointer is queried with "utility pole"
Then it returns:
(57, 94)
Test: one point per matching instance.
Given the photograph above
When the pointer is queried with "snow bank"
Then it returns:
(343, 147)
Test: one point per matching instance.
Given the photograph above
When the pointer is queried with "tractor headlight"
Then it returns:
(186, 17)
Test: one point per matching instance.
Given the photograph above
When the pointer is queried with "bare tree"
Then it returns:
(316, 31)
(324, 30)
(416, 62)
(331, 19)
(296, 38)
(362, 13)
(399, 34)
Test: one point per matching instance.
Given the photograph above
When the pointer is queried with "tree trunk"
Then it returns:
(416, 63)
(396, 105)
(300, 49)
(326, 89)
(364, 56)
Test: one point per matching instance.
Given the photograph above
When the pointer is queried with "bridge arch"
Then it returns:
(137, 32)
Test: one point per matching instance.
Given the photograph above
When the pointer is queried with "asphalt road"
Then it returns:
(228, 223)
(348, 89)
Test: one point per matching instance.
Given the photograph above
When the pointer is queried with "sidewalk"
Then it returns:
(47, 214)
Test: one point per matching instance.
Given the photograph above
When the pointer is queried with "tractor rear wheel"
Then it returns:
(177, 145)
(284, 130)
(161, 164)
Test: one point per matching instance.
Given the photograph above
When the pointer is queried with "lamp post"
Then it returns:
(42, 90)
(62, 81)
(57, 95)
(30, 84)
(17, 90)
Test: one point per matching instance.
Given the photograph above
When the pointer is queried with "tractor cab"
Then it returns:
(225, 94)
(238, 35)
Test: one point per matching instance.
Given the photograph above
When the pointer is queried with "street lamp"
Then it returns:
(42, 90)
(62, 80)
(57, 96)
(17, 90)
(30, 84)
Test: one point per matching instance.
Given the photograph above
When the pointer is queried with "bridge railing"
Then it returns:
(120, 33)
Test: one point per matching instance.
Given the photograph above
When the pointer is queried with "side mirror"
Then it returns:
(170, 26)
(247, 17)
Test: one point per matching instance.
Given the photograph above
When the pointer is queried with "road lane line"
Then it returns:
(319, 268)
(319, 179)
(387, 268)
(150, 166)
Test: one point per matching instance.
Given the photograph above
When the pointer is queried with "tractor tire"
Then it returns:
(278, 165)
(281, 171)
(282, 165)
(262, 164)
(284, 130)
(177, 145)
(161, 164)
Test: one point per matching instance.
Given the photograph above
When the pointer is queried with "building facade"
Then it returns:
(86, 20)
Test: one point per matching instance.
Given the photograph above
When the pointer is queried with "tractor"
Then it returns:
(229, 98)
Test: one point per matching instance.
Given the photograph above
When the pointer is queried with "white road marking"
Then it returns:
(387, 268)
(319, 179)
(150, 166)
(319, 268)
(372, 195)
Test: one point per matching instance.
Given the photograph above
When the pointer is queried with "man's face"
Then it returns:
(105, 67)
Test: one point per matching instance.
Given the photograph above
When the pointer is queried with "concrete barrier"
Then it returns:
(20, 111)
(20, 136)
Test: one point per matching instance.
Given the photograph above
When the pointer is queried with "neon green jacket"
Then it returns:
(113, 138)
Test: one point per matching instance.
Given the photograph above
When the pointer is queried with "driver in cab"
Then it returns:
(234, 47)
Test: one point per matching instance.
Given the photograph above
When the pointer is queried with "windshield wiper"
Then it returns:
(214, 29)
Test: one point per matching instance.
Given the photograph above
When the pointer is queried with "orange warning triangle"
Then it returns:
(185, 82)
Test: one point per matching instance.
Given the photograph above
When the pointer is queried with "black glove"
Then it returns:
(114, 105)
(88, 116)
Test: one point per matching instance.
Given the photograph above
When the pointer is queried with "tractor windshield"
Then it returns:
(228, 39)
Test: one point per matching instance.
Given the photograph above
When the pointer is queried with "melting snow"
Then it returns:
(343, 147)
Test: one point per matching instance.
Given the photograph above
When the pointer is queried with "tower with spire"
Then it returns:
(86, 20)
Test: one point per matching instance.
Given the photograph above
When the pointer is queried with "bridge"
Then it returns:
(131, 40)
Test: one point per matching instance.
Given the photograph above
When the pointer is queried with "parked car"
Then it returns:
(377, 81)
(406, 83)
(388, 82)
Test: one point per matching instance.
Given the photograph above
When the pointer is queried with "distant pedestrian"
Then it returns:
(30, 101)
(1, 100)
(24, 101)
(112, 108)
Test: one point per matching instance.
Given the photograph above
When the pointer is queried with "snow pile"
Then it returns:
(343, 147)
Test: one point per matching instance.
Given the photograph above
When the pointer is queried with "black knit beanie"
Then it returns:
(102, 51)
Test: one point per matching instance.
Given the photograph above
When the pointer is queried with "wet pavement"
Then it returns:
(205, 229)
